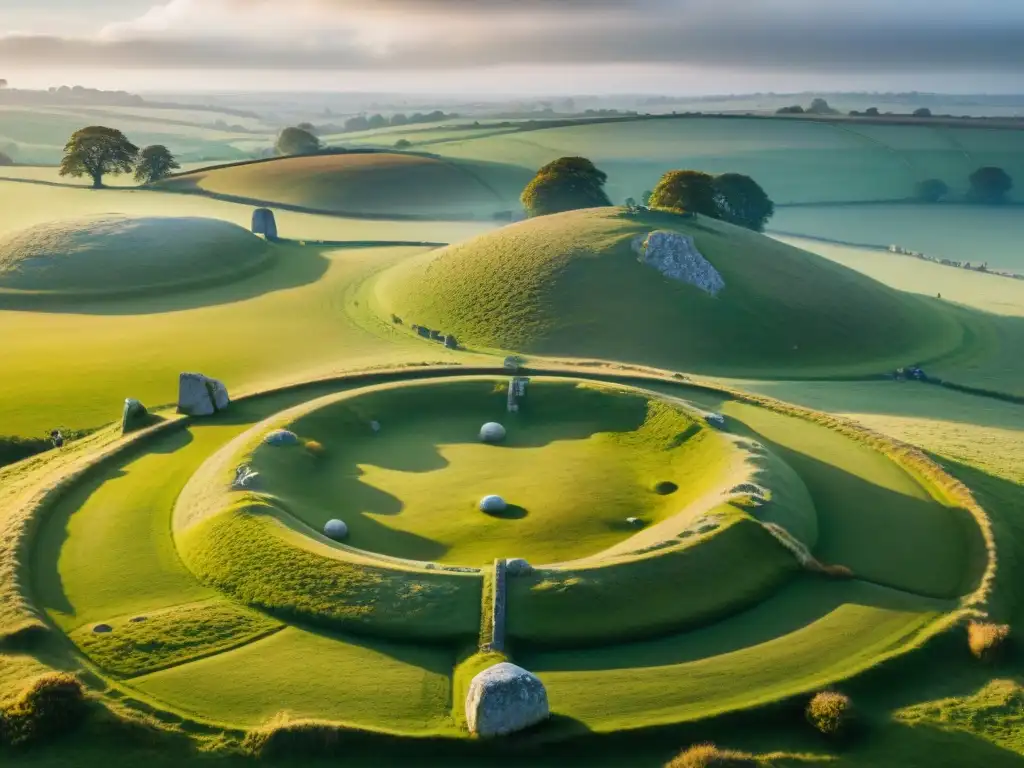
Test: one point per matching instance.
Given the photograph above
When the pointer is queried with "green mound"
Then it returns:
(571, 284)
(370, 183)
(578, 462)
(121, 254)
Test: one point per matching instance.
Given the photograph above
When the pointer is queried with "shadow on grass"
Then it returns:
(290, 267)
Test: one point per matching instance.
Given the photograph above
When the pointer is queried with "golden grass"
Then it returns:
(986, 639)
(710, 756)
(831, 713)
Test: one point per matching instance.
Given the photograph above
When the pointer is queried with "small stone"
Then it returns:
(422, 331)
(335, 529)
(493, 505)
(517, 566)
(450, 342)
(133, 416)
(504, 699)
(492, 432)
(137, 620)
(281, 437)
(636, 522)
(715, 419)
(436, 336)
(102, 629)
(245, 477)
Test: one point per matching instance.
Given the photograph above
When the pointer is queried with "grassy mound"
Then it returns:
(372, 183)
(570, 284)
(577, 462)
(121, 254)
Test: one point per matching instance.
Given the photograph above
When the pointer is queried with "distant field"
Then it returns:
(978, 234)
(366, 183)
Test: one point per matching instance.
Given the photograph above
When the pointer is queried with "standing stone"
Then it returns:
(451, 342)
(199, 395)
(504, 699)
(264, 223)
(134, 415)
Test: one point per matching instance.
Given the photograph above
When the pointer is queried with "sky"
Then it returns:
(687, 47)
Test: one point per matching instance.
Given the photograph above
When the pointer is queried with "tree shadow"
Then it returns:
(286, 268)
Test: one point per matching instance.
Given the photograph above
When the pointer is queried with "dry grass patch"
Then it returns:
(831, 713)
(49, 706)
(710, 756)
(986, 639)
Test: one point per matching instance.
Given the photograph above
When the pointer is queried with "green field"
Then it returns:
(836, 531)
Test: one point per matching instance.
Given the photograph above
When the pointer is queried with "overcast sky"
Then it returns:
(516, 46)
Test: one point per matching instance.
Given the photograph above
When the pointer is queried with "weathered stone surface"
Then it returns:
(245, 477)
(504, 699)
(517, 566)
(492, 432)
(451, 342)
(715, 419)
(264, 223)
(134, 415)
(194, 397)
(493, 505)
(281, 438)
(221, 399)
(335, 529)
(676, 256)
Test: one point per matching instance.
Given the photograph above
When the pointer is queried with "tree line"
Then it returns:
(574, 183)
(98, 151)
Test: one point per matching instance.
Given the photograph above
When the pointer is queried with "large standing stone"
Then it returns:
(134, 416)
(199, 395)
(492, 432)
(676, 256)
(504, 699)
(264, 223)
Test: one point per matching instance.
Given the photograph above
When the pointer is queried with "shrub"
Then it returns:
(566, 184)
(284, 737)
(831, 713)
(931, 190)
(50, 706)
(986, 639)
(710, 756)
(295, 141)
(403, 144)
(990, 185)
(315, 448)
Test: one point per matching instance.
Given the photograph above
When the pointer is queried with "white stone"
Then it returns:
(676, 256)
(245, 477)
(335, 529)
(281, 437)
(492, 432)
(715, 419)
(636, 522)
(504, 699)
(493, 505)
(199, 395)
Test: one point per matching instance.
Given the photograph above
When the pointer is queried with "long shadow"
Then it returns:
(288, 267)
(47, 585)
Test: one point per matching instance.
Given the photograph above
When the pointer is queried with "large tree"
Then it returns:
(296, 141)
(155, 162)
(742, 201)
(692, 191)
(931, 190)
(97, 151)
(990, 185)
(567, 184)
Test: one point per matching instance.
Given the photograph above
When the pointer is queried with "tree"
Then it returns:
(403, 144)
(399, 118)
(307, 127)
(820, 107)
(645, 198)
(743, 202)
(990, 185)
(377, 121)
(931, 190)
(296, 141)
(796, 109)
(871, 111)
(567, 184)
(96, 151)
(155, 162)
(922, 112)
(692, 191)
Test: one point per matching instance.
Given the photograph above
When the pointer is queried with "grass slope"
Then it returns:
(374, 183)
(120, 254)
(569, 284)
(578, 460)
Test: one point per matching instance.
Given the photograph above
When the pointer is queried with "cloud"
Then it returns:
(786, 35)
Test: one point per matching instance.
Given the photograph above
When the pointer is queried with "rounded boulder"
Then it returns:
(504, 699)
(492, 432)
(493, 505)
(335, 529)
(281, 437)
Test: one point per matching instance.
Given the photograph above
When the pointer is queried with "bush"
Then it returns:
(710, 756)
(987, 640)
(990, 185)
(403, 144)
(315, 448)
(284, 737)
(50, 706)
(295, 141)
(931, 190)
(831, 713)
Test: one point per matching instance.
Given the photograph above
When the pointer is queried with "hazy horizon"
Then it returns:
(536, 47)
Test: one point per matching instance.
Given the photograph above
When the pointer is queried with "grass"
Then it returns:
(710, 756)
(171, 636)
(577, 461)
(122, 255)
(377, 183)
(549, 286)
(408, 690)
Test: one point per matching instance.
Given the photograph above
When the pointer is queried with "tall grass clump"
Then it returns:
(710, 756)
(282, 737)
(987, 640)
(831, 713)
(50, 706)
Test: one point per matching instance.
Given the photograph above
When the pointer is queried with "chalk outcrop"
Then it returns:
(676, 256)
(504, 699)
(199, 395)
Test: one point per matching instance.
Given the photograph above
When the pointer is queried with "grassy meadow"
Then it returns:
(204, 619)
